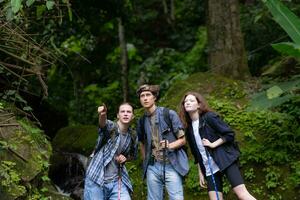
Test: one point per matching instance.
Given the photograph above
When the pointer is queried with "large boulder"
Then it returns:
(24, 159)
(76, 139)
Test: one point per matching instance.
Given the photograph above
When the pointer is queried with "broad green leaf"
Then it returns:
(261, 101)
(274, 92)
(50, 4)
(288, 48)
(29, 2)
(285, 18)
(16, 5)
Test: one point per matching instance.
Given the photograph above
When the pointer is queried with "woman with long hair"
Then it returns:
(212, 144)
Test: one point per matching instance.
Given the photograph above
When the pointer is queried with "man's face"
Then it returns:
(147, 99)
(125, 114)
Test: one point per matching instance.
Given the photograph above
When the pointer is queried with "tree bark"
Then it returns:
(124, 61)
(226, 54)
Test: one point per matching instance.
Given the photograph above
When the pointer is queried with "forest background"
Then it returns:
(60, 59)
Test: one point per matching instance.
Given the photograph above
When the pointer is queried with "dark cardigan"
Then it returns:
(212, 127)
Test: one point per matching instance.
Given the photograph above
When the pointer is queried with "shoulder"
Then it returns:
(169, 111)
(211, 117)
(211, 114)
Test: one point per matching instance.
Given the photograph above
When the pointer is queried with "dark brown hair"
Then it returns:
(184, 116)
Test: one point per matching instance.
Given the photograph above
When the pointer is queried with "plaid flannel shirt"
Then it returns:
(106, 153)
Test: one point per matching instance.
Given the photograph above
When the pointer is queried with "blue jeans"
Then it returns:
(109, 191)
(155, 180)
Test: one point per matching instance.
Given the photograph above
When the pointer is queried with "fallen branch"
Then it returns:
(12, 124)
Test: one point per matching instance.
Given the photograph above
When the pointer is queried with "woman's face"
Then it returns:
(191, 104)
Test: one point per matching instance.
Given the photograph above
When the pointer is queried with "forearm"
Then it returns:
(102, 120)
(199, 169)
(218, 142)
(177, 143)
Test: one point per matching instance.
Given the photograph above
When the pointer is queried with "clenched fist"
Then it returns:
(102, 110)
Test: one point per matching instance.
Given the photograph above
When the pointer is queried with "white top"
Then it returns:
(201, 149)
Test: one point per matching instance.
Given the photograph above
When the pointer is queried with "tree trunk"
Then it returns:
(227, 54)
(169, 12)
(124, 61)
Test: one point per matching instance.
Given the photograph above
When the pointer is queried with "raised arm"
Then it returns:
(102, 112)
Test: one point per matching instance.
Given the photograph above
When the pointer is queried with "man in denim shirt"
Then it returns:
(106, 176)
(164, 160)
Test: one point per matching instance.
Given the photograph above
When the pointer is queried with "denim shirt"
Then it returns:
(164, 131)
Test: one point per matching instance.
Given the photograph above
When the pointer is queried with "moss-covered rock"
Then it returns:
(208, 85)
(24, 157)
(79, 139)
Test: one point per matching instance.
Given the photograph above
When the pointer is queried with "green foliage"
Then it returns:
(290, 23)
(78, 44)
(38, 194)
(10, 178)
(35, 133)
(14, 96)
(259, 30)
(272, 176)
(29, 2)
(292, 107)
(195, 59)
(41, 192)
(285, 18)
(14, 9)
(93, 96)
(295, 175)
(271, 140)
(7, 145)
(287, 48)
(275, 95)
(50, 4)
(16, 5)
(249, 174)
(192, 180)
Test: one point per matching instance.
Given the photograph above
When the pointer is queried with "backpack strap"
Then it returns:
(167, 118)
(142, 124)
